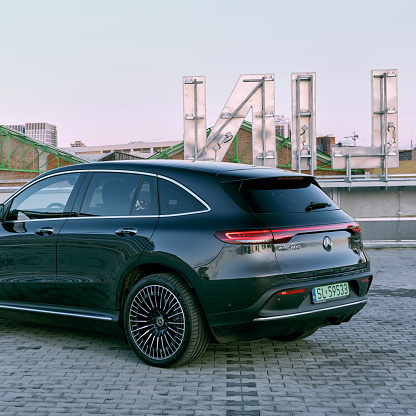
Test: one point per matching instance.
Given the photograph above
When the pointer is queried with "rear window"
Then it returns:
(280, 195)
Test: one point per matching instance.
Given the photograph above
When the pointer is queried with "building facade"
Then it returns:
(282, 126)
(140, 149)
(44, 132)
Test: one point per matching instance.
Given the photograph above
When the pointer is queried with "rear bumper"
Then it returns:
(275, 315)
(330, 310)
(286, 324)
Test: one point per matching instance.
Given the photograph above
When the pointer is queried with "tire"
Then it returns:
(158, 337)
(294, 337)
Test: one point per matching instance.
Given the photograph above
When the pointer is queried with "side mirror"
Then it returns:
(1, 212)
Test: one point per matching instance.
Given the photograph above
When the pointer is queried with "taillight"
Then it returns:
(284, 235)
(245, 237)
(281, 235)
(355, 228)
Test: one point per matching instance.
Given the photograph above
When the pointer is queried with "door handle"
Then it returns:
(44, 230)
(126, 231)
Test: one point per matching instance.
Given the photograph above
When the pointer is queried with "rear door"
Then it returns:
(313, 237)
(112, 227)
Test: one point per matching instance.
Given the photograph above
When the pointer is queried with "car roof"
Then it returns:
(223, 170)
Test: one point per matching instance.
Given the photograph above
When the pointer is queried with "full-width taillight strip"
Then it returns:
(283, 235)
(280, 235)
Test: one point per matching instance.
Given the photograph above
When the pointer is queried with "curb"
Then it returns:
(389, 244)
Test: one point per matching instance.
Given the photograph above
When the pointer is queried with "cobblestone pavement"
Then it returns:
(364, 367)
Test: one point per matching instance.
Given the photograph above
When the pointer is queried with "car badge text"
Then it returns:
(290, 248)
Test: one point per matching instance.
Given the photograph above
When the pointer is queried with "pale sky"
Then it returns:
(111, 71)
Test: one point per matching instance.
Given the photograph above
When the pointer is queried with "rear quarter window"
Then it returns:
(177, 200)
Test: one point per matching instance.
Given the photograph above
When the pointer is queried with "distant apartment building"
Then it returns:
(140, 149)
(17, 127)
(44, 132)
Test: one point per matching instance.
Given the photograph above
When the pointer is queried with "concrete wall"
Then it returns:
(5, 192)
(385, 213)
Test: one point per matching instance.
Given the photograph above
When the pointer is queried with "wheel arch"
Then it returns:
(146, 267)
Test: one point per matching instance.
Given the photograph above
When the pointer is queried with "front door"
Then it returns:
(28, 237)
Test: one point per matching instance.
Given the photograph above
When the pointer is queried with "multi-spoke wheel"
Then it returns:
(163, 322)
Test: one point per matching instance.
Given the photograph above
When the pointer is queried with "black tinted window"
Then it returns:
(176, 200)
(44, 199)
(110, 194)
(145, 201)
(278, 195)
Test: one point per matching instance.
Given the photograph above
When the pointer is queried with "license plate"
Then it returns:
(330, 292)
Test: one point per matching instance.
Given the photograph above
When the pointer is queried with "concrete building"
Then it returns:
(324, 143)
(140, 149)
(282, 126)
(17, 127)
(407, 154)
(44, 132)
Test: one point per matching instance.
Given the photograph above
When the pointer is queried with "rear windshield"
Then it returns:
(280, 195)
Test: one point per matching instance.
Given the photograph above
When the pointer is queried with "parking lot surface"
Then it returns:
(364, 367)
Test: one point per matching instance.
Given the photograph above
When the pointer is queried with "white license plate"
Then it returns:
(330, 292)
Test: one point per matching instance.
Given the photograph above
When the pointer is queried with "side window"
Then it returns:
(110, 194)
(44, 199)
(176, 200)
(145, 201)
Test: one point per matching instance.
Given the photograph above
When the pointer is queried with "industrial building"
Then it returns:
(140, 149)
(23, 158)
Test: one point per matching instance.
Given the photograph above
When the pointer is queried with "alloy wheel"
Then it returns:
(157, 322)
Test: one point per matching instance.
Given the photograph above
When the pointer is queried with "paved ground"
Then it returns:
(364, 367)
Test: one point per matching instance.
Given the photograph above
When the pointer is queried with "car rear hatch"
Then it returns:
(312, 236)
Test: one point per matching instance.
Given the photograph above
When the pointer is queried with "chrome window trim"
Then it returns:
(135, 216)
(35, 220)
(106, 217)
(198, 198)
(40, 179)
(292, 315)
(183, 213)
(111, 217)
